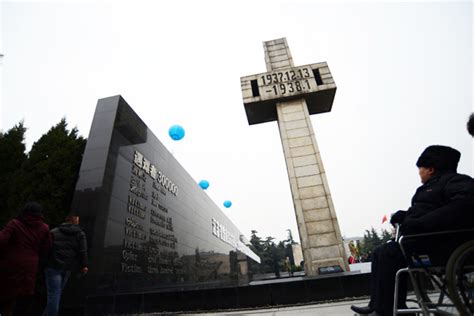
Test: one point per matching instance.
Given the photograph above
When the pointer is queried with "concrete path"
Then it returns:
(328, 309)
(340, 308)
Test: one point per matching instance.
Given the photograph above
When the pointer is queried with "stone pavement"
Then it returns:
(341, 308)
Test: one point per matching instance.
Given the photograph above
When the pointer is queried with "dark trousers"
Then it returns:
(387, 260)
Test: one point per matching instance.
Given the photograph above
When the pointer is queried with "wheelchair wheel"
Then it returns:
(460, 278)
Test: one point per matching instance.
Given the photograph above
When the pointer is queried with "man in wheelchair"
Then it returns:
(443, 202)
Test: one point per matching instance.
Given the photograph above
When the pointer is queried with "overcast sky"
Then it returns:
(403, 73)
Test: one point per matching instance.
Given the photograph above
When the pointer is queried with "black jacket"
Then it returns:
(69, 247)
(444, 202)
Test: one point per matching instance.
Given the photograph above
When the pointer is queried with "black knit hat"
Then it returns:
(441, 158)
(32, 208)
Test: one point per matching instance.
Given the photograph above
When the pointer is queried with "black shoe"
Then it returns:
(366, 310)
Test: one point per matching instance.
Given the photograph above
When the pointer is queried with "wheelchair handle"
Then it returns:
(397, 232)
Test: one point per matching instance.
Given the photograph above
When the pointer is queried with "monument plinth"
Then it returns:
(289, 95)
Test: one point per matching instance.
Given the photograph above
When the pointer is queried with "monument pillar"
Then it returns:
(289, 95)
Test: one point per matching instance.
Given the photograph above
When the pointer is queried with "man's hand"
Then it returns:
(397, 217)
(84, 270)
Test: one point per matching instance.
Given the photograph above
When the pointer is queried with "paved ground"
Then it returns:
(328, 309)
(340, 308)
(337, 308)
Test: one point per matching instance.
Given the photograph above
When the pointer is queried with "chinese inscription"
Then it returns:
(149, 244)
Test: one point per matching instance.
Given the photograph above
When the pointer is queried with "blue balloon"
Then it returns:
(176, 132)
(204, 184)
(227, 204)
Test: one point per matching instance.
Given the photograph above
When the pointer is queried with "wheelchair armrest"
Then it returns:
(469, 232)
(433, 249)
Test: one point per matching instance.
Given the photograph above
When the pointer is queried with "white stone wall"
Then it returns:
(297, 254)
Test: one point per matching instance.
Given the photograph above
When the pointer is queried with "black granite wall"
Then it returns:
(149, 225)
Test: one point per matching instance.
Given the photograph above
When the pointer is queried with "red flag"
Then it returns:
(384, 219)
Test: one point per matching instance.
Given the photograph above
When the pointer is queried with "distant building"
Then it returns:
(297, 253)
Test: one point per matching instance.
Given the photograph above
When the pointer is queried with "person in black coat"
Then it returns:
(69, 248)
(443, 202)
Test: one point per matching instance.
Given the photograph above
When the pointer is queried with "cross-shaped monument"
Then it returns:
(289, 95)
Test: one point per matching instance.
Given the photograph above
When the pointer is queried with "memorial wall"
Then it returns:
(148, 223)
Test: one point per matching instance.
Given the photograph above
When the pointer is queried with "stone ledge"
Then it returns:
(276, 292)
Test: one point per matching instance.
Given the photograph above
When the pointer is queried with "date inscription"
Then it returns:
(286, 75)
(287, 82)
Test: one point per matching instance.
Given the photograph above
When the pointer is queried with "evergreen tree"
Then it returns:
(386, 236)
(290, 239)
(376, 240)
(12, 156)
(256, 243)
(372, 240)
(270, 253)
(268, 244)
(50, 173)
(283, 250)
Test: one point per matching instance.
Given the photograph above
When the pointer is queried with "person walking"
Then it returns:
(443, 202)
(69, 248)
(23, 241)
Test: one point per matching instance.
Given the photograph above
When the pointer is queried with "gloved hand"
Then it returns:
(397, 217)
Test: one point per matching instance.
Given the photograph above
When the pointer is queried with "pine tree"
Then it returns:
(256, 245)
(372, 240)
(50, 173)
(12, 156)
(386, 236)
(376, 241)
(270, 253)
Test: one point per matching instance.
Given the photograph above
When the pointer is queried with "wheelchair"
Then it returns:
(439, 264)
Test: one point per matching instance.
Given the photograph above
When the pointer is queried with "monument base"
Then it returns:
(264, 293)
(328, 265)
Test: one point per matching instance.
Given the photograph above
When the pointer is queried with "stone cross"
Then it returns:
(289, 95)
